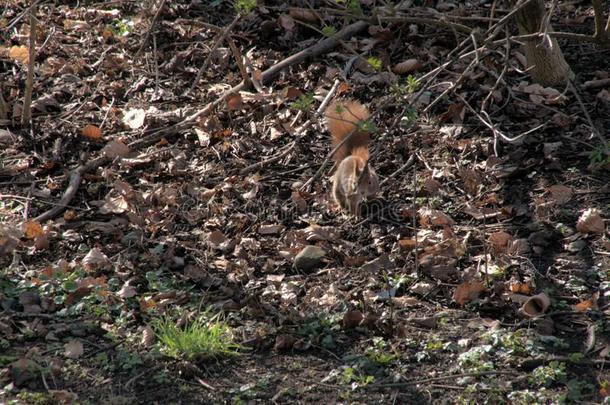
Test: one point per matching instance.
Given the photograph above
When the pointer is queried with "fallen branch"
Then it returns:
(152, 26)
(26, 114)
(76, 177)
(266, 77)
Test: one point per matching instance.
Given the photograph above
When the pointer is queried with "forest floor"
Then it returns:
(480, 274)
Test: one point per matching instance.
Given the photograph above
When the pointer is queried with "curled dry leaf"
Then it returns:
(148, 336)
(408, 66)
(95, 260)
(234, 102)
(590, 222)
(303, 14)
(430, 217)
(536, 305)
(91, 132)
(270, 229)
(584, 305)
(127, 291)
(284, 342)
(468, 291)
(500, 241)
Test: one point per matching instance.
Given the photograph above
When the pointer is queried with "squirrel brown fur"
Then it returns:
(354, 180)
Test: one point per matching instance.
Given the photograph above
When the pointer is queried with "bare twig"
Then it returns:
(599, 135)
(402, 168)
(219, 38)
(266, 77)
(75, 179)
(150, 29)
(272, 159)
(26, 116)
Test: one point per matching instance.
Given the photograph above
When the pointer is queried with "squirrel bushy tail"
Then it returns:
(342, 118)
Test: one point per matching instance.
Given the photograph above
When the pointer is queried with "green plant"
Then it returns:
(245, 6)
(412, 84)
(375, 63)
(329, 30)
(303, 103)
(409, 118)
(122, 28)
(600, 156)
(545, 376)
(204, 337)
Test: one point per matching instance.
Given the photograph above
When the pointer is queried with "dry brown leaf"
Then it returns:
(351, 319)
(303, 14)
(520, 288)
(20, 54)
(407, 243)
(408, 66)
(500, 241)
(127, 291)
(590, 222)
(32, 229)
(234, 102)
(148, 336)
(271, 229)
(468, 291)
(95, 260)
(430, 217)
(114, 149)
(91, 132)
(560, 194)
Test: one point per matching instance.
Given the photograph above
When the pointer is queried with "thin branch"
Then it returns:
(315, 50)
(219, 38)
(150, 29)
(26, 116)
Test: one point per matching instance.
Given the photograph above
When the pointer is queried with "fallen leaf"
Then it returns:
(91, 132)
(468, 291)
(590, 222)
(127, 291)
(74, 349)
(148, 336)
(95, 260)
(114, 149)
(560, 194)
(408, 66)
(500, 241)
(32, 229)
(134, 118)
(20, 54)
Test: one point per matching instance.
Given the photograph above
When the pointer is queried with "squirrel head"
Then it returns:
(368, 181)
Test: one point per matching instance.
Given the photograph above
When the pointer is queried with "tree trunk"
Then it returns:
(545, 60)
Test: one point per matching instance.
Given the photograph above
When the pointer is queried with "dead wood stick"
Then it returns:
(404, 167)
(268, 75)
(26, 114)
(272, 159)
(219, 38)
(76, 177)
(150, 29)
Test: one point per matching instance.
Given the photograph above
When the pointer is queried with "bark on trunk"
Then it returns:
(544, 58)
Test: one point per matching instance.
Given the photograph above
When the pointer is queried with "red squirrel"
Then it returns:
(354, 180)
